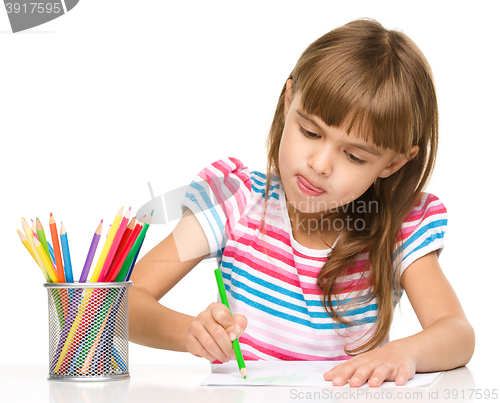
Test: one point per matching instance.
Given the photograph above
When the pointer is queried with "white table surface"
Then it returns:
(181, 383)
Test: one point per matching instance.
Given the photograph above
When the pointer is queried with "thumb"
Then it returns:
(240, 324)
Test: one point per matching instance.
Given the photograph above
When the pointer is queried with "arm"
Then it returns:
(446, 341)
(152, 324)
(208, 335)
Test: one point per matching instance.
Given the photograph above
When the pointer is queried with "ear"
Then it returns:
(288, 96)
(398, 162)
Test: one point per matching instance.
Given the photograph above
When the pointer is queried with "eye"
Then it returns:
(308, 134)
(354, 159)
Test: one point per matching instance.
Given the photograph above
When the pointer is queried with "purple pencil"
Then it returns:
(90, 255)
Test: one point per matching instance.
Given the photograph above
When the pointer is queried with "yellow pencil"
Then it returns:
(45, 260)
(107, 245)
(29, 236)
(25, 242)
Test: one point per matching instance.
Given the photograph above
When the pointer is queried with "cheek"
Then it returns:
(285, 153)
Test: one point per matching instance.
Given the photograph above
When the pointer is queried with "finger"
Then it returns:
(403, 375)
(218, 342)
(360, 376)
(380, 374)
(341, 374)
(240, 322)
(205, 330)
(195, 348)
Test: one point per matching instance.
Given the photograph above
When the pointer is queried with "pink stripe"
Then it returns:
(280, 254)
(294, 342)
(283, 354)
(429, 212)
(409, 230)
(253, 316)
(249, 356)
(240, 173)
(262, 266)
(272, 232)
(276, 273)
(419, 210)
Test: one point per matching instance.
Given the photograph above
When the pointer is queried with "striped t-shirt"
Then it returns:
(271, 278)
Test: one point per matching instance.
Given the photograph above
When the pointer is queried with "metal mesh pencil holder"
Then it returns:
(88, 331)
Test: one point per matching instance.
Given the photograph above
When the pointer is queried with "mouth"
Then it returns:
(307, 187)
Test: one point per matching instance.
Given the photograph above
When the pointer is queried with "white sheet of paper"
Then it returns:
(293, 373)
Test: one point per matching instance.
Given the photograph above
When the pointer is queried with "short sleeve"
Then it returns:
(217, 196)
(423, 230)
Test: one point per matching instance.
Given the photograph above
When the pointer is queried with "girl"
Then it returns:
(316, 253)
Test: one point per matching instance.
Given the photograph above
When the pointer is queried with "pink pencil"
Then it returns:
(114, 247)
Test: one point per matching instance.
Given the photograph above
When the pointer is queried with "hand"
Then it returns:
(392, 362)
(211, 333)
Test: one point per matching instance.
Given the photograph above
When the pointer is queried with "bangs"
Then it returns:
(366, 93)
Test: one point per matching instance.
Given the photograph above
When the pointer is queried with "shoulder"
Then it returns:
(423, 229)
(429, 210)
(228, 169)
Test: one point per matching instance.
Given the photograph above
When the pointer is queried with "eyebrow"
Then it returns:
(364, 147)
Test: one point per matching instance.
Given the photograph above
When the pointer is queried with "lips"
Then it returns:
(306, 186)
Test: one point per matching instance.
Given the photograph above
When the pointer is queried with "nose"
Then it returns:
(321, 161)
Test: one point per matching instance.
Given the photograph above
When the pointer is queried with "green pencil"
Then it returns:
(236, 343)
(41, 237)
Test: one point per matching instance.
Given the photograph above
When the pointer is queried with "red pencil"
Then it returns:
(57, 249)
(130, 242)
(124, 240)
(114, 247)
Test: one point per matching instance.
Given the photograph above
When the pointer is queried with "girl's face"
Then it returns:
(322, 167)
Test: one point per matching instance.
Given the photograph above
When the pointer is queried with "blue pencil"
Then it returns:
(51, 251)
(68, 270)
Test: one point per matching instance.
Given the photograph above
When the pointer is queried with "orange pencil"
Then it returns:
(57, 249)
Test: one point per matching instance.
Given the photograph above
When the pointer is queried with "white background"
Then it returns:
(115, 94)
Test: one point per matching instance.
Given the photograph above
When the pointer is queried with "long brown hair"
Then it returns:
(376, 83)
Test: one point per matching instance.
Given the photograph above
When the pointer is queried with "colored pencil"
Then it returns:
(25, 242)
(68, 270)
(51, 251)
(114, 247)
(91, 253)
(123, 241)
(107, 246)
(57, 249)
(29, 236)
(43, 240)
(126, 249)
(48, 266)
(127, 277)
(133, 252)
(236, 343)
(33, 229)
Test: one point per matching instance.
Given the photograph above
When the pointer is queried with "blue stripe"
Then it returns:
(423, 230)
(284, 291)
(290, 318)
(430, 239)
(262, 185)
(191, 197)
(272, 186)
